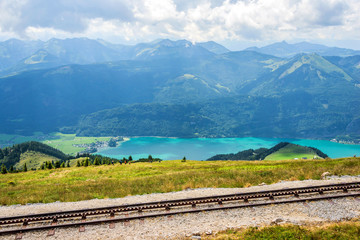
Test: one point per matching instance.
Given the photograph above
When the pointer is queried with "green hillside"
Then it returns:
(34, 159)
(293, 115)
(280, 151)
(293, 151)
(32, 152)
(67, 143)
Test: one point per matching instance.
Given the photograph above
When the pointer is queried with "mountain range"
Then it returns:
(178, 88)
(284, 49)
(17, 55)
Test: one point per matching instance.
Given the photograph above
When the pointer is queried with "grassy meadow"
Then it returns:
(63, 142)
(291, 152)
(112, 181)
(345, 230)
(33, 160)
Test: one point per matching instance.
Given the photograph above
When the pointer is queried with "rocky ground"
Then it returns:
(191, 225)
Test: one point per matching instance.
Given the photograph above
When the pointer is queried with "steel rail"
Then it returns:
(124, 219)
(167, 204)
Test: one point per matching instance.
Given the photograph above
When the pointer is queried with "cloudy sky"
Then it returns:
(234, 23)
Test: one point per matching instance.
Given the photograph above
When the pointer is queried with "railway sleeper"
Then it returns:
(321, 189)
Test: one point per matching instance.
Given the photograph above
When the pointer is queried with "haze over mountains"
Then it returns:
(177, 88)
(284, 49)
(17, 55)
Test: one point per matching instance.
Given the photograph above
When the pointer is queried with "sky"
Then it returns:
(234, 23)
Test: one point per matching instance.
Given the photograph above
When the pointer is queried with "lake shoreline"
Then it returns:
(168, 148)
(335, 140)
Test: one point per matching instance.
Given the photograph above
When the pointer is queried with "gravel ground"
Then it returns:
(180, 226)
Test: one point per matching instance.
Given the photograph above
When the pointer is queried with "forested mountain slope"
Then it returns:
(177, 88)
(295, 114)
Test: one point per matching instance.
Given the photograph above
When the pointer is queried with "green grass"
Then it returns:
(112, 181)
(33, 160)
(65, 142)
(344, 231)
(292, 151)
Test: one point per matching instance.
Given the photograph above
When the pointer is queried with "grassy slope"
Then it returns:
(292, 151)
(344, 230)
(33, 160)
(108, 181)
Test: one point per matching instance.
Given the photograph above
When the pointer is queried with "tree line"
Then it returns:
(95, 159)
(44, 165)
(9, 156)
(84, 160)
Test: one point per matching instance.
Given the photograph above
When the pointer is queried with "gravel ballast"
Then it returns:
(180, 226)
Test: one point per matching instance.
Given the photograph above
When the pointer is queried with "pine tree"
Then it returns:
(12, 169)
(25, 168)
(49, 165)
(97, 162)
(62, 165)
(130, 158)
(86, 163)
(150, 158)
(78, 164)
(57, 164)
(42, 167)
(68, 164)
(3, 169)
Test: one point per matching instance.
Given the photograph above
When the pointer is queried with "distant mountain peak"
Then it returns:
(170, 43)
(165, 42)
(213, 47)
(284, 49)
(316, 63)
(13, 40)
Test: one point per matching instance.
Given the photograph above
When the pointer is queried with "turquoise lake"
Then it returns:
(204, 148)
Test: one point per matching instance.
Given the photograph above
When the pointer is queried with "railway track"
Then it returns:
(124, 213)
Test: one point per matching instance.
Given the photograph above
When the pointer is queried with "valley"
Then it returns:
(67, 143)
(171, 148)
(211, 119)
(180, 89)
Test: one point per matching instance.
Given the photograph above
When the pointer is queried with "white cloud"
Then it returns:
(219, 20)
(156, 11)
